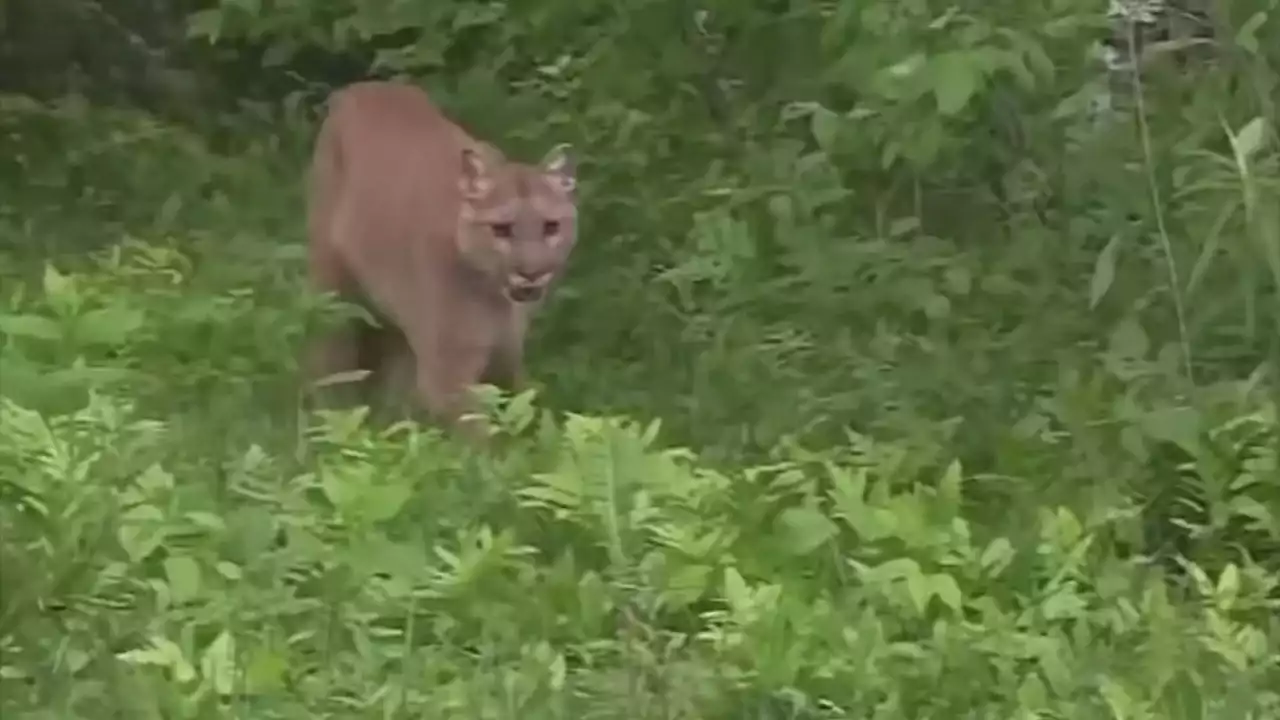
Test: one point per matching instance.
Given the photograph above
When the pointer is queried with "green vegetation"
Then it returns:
(889, 380)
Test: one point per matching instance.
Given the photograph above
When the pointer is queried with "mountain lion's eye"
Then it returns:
(550, 227)
(502, 230)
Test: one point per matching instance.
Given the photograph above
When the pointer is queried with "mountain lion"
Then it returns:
(449, 244)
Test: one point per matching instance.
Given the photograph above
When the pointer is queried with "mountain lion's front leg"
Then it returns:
(506, 364)
(444, 380)
(506, 367)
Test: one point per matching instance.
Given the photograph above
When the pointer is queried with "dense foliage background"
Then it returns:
(918, 360)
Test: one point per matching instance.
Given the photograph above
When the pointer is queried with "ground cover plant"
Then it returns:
(912, 364)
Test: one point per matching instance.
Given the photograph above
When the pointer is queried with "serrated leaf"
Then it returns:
(1245, 506)
(520, 412)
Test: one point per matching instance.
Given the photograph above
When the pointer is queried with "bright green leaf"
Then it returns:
(183, 575)
(1251, 137)
(1104, 271)
(825, 126)
(955, 80)
(806, 529)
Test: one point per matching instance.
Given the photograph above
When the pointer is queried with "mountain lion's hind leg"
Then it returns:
(392, 382)
(338, 352)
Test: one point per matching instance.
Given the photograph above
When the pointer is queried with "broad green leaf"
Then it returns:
(1247, 35)
(998, 554)
(825, 126)
(113, 325)
(60, 290)
(218, 664)
(1183, 698)
(945, 588)
(955, 80)
(1064, 604)
(1228, 586)
(936, 306)
(1251, 138)
(736, 591)
(950, 487)
(265, 671)
(1178, 425)
(806, 529)
(26, 325)
(1128, 339)
(183, 575)
(920, 591)
(161, 652)
(1121, 703)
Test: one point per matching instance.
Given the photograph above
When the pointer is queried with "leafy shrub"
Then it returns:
(582, 570)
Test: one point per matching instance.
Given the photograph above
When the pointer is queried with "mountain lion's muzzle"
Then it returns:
(525, 287)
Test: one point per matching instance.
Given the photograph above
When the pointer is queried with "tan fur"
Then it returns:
(450, 244)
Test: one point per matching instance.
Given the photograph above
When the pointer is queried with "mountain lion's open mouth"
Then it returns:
(524, 294)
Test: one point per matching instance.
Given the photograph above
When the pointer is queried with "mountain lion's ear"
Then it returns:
(559, 167)
(474, 177)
